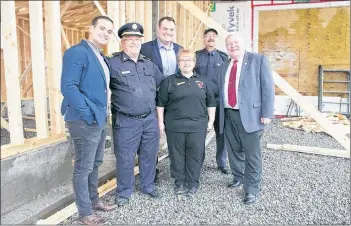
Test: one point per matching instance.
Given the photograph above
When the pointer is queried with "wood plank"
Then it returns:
(12, 74)
(4, 124)
(54, 63)
(148, 21)
(30, 145)
(65, 7)
(339, 135)
(112, 12)
(122, 13)
(130, 15)
(310, 150)
(39, 80)
(64, 36)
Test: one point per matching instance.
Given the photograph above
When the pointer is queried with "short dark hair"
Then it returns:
(166, 18)
(95, 20)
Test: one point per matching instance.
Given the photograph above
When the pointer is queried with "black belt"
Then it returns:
(232, 109)
(134, 116)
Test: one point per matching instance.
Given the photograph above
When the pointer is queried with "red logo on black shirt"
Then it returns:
(200, 84)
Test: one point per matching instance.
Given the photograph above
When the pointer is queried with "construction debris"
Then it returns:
(309, 125)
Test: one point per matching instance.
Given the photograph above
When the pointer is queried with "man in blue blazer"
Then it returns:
(246, 90)
(84, 85)
(162, 51)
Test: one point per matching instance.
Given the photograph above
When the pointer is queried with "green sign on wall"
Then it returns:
(213, 7)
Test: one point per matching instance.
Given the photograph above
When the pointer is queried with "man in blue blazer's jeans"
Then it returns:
(163, 51)
(84, 85)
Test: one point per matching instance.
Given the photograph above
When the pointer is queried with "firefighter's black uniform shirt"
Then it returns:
(185, 102)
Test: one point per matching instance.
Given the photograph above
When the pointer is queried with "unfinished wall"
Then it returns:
(23, 32)
(297, 41)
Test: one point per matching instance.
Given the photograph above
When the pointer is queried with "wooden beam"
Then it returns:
(112, 12)
(139, 16)
(65, 7)
(310, 150)
(64, 36)
(202, 16)
(12, 74)
(26, 71)
(102, 12)
(279, 81)
(130, 15)
(4, 124)
(148, 21)
(122, 13)
(197, 31)
(312, 111)
(38, 59)
(54, 63)
(22, 30)
(71, 209)
(30, 144)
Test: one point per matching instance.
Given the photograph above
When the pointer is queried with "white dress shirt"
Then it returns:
(227, 75)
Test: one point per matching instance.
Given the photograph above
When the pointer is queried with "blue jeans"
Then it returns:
(89, 147)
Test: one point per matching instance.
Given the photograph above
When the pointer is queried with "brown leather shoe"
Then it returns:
(103, 206)
(91, 220)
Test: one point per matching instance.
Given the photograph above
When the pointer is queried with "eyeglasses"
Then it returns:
(185, 61)
(132, 39)
(210, 36)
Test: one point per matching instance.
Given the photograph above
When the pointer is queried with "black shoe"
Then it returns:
(250, 198)
(122, 201)
(156, 176)
(223, 170)
(191, 192)
(179, 189)
(235, 183)
(154, 194)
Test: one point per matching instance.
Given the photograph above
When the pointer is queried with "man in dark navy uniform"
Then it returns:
(208, 61)
(134, 80)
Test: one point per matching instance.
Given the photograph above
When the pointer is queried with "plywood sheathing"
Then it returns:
(297, 41)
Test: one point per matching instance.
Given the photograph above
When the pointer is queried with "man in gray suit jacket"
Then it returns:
(246, 91)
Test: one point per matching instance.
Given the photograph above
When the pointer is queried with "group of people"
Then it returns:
(160, 88)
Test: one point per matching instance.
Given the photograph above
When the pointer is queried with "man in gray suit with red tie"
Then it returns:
(246, 88)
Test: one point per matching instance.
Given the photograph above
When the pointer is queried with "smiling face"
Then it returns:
(210, 39)
(131, 45)
(186, 61)
(166, 31)
(235, 46)
(101, 32)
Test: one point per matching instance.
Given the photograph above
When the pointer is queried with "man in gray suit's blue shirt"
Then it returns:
(246, 90)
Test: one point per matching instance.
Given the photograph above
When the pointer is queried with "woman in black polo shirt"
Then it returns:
(189, 106)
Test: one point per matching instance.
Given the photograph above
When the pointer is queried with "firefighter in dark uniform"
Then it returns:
(134, 81)
(208, 61)
(189, 105)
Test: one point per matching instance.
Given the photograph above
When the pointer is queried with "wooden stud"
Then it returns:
(54, 61)
(130, 15)
(39, 81)
(148, 21)
(64, 36)
(4, 124)
(162, 9)
(310, 150)
(12, 74)
(122, 13)
(112, 12)
(139, 17)
(65, 7)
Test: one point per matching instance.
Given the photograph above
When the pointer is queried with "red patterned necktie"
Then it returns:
(232, 85)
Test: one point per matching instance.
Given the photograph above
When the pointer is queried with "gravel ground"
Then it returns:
(296, 189)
